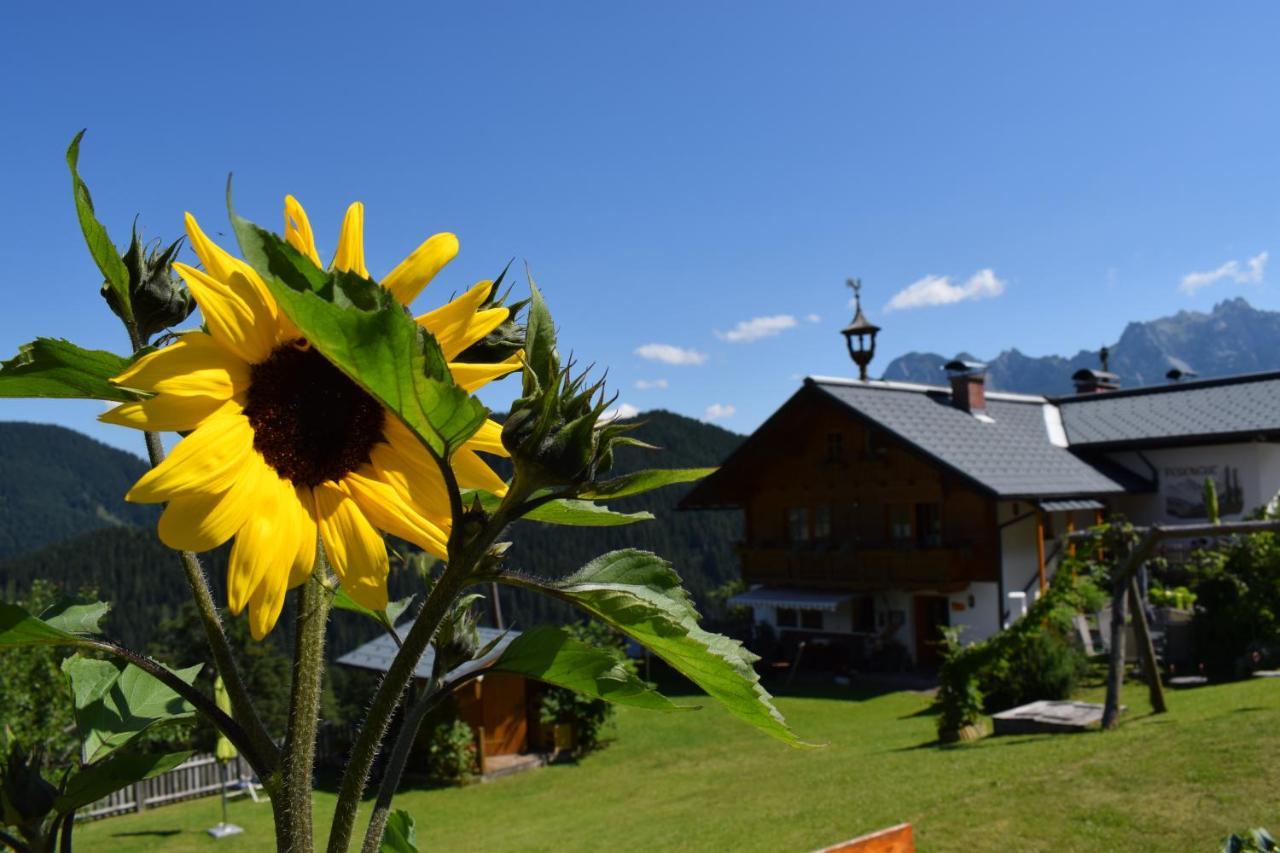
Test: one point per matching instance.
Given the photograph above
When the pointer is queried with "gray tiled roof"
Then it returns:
(1011, 455)
(378, 654)
(1183, 412)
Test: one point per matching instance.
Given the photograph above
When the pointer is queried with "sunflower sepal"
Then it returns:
(158, 299)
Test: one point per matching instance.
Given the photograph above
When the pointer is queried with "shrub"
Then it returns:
(451, 753)
(1237, 620)
(1033, 659)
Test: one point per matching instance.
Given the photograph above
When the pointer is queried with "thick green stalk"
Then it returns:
(396, 763)
(292, 804)
(385, 700)
(264, 748)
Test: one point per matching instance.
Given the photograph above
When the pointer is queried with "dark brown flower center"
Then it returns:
(310, 422)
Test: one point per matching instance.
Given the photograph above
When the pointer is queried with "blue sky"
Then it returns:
(670, 171)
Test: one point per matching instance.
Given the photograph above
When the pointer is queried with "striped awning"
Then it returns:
(1070, 506)
(796, 599)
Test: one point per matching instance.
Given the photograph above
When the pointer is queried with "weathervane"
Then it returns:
(862, 329)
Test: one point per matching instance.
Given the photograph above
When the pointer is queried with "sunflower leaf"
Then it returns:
(401, 835)
(123, 768)
(51, 367)
(550, 655)
(640, 594)
(644, 481)
(20, 628)
(368, 335)
(76, 617)
(96, 238)
(569, 512)
(114, 703)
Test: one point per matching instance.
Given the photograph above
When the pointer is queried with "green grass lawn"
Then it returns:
(699, 781)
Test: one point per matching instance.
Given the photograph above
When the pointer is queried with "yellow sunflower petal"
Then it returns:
(195, 365)
(234, 312)
(474, 473)
(166, 412)
(353, 546)
(415, 272)
(405, 464)
(203, 522)
(350, 254)
(474, 376)
(488, 439)
(388, 511)
(267, 598)
(305, 560)
(297, 230)
(220, 264)
(207, 461)
(451, 322)
(265, 546)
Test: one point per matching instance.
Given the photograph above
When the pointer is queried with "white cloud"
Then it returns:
(651, 384)
(757, 328)
(718, 411)
(813, 318)
(1250, 273)
(938, 290)
(668, 354)
(624, 412)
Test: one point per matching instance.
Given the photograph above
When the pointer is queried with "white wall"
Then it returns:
(1180, 473)
(981, 618)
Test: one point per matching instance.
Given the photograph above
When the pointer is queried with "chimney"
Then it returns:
(1094, 381)
(968, 385)
(1177, 374)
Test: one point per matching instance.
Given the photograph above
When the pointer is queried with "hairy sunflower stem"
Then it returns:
(396, 763)
(264, 749)
(293, 804)
(464, 558)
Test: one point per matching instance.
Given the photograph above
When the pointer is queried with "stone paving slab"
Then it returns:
(1048, 717)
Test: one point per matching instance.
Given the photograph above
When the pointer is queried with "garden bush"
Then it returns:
(452, 757)
(1035, 658)
(1237, 616)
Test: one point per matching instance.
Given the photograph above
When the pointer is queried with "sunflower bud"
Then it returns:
(26, 797)
(158, 297)
(457, 640)
(554, 431)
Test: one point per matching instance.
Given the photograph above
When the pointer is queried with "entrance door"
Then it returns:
(932, 613)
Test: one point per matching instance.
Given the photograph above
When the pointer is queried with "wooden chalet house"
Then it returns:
(877, 511)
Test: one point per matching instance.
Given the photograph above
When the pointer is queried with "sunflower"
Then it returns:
(284, 447)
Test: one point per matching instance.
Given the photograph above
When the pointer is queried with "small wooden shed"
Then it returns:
(502, 708)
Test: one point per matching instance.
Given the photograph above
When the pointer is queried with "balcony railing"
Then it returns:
(881, 566)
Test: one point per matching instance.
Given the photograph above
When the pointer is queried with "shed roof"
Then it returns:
(1013, 451)
(377, 654)
(1196, 412)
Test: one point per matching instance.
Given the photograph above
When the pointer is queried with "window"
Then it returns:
(786, 617)
(798, 524)
(928, 525)
(811, 620)
(822, 522)
(900, 523)
(835, 447)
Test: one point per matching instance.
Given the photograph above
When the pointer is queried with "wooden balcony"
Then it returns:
(949, 566)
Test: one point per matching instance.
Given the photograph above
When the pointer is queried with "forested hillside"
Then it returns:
(60, 478)
(56, 483)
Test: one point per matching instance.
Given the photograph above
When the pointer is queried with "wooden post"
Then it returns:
(1115, 672)
(139, 797)
(1044, 583)
(1155, 688)
(1071, 528)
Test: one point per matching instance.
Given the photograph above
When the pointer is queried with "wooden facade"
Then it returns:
(834, 502)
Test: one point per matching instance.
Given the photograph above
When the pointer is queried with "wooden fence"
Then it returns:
(198, 776)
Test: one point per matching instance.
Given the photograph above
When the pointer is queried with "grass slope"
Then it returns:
(698, 781)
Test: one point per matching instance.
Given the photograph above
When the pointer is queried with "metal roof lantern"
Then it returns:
(860, 334)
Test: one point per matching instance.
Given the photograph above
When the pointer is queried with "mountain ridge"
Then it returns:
(1232, 338)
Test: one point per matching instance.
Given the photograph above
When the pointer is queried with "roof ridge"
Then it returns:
(1168, 388)
(917, 387)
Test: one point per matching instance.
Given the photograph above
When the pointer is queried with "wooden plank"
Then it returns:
(895, 839)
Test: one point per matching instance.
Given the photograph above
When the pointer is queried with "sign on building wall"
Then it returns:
(1182, 487)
